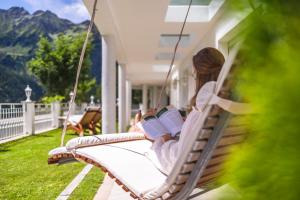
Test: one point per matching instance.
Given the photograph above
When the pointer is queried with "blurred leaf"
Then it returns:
(266, 166)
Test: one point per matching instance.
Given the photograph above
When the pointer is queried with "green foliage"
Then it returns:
(266, 167)
(52, 99)
(55, 65)
(12, 85)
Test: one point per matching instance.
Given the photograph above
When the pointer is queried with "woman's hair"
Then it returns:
(207, 63)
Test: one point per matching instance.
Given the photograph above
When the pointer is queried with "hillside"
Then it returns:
(19, 34)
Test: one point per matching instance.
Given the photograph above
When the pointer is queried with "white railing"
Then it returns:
(64, 106)
(11, 120)
(27, 118)
(77, 109)
(21, 119)
(43, 123)
(42, 109)
(43, 119)
(13, 110)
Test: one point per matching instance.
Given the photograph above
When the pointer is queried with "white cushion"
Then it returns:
(80, 142)
(126, 161)
(58, 150)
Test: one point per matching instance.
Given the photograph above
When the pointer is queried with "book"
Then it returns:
(167, 120)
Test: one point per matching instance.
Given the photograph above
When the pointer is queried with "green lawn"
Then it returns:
(25, 174)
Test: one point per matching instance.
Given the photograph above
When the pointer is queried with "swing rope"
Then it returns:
(72, 100)
(173, 58)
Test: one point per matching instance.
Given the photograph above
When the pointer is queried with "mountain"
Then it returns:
(20, 32)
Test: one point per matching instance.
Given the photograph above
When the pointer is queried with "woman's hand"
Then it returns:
(138, 117)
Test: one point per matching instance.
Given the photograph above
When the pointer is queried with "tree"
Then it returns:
(55, 65)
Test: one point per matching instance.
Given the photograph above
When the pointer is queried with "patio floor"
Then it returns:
(111, 191)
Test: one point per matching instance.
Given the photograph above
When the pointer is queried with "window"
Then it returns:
(170, 40)
(161, 68)
(166, 56)
(201, 10)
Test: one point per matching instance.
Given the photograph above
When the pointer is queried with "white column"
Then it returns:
(128, 101)
(145, 98)
(182, 90)
(28, 114)
(185, 89)
(173, 92)
(151, 97)
(155, 96)
(108, 86)
(165, 96)
(122, 98)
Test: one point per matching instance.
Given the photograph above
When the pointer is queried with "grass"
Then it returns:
(25, 174)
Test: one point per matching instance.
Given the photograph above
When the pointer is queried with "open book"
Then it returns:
(168, 120)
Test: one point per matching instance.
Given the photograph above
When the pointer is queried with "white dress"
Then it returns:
(165, 154)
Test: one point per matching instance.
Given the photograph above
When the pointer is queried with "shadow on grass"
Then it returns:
(13, 142)
(2, 150)
(42, 135)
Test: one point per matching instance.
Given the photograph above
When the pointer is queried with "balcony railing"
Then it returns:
(21, 119)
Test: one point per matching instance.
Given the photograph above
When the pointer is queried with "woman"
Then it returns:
(207, 64)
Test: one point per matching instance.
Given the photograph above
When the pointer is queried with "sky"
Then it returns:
(73, 10)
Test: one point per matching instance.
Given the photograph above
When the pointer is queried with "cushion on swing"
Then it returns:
(58, 150)
(59, 153)
(126, 162)
(103, 139)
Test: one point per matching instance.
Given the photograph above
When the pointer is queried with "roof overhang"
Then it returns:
(138, 27)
